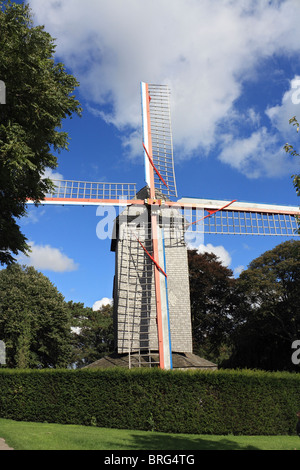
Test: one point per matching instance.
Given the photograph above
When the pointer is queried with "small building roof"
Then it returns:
(181, 361)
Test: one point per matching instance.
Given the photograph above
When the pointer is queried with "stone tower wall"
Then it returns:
(134, 291)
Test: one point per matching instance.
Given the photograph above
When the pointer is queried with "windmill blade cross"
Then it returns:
(157, 265)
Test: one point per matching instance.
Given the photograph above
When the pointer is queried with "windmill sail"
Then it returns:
(239, 218)
(88, 191)
(157, 138)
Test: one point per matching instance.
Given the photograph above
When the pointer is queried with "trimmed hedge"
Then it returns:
(201, 402)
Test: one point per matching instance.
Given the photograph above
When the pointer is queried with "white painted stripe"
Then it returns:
(145, 131)
(216, 204)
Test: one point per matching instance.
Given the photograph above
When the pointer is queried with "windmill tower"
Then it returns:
(139, 295)
(151, 286)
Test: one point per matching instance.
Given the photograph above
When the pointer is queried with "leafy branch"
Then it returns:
(290, 149)
(287, 147)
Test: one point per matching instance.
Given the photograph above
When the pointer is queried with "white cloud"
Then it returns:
(52, 175)
(219, 251)
(100, 303)
(280, 114)
(238, 270)
(261, 153)
(47, 258)
(32, 216)
(203, 50)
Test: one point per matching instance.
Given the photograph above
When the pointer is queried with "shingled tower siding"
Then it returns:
(134, 292)
(179, 298)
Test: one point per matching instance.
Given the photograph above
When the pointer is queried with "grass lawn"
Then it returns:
(44, 436)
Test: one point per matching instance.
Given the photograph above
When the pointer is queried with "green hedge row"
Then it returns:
(204, 402)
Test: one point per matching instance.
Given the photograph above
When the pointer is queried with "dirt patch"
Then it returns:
(4, 446)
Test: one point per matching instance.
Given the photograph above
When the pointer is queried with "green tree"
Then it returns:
(39, 95)
(290, 149)
(213, 300)
(268, 318)
(35, 321)
(93, 335)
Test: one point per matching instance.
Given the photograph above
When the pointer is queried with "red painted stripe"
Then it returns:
(210, 213)
(151, 257)
(156, 170)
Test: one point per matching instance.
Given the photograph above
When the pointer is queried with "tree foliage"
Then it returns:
(39, 95)
(290, 149)
(35, 322)
(268, 318)
(212, 303)
(94, 336)
(40, 329)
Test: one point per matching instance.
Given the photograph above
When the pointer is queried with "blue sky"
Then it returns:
(234, 73)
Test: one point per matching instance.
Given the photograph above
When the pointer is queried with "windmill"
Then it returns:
(151, 285)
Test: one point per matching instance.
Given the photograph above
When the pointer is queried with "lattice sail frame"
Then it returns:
(239, 218)
(91, 191)
(236, 219)
(157, 138)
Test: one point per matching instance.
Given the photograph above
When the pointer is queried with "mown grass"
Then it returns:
(45, 436)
